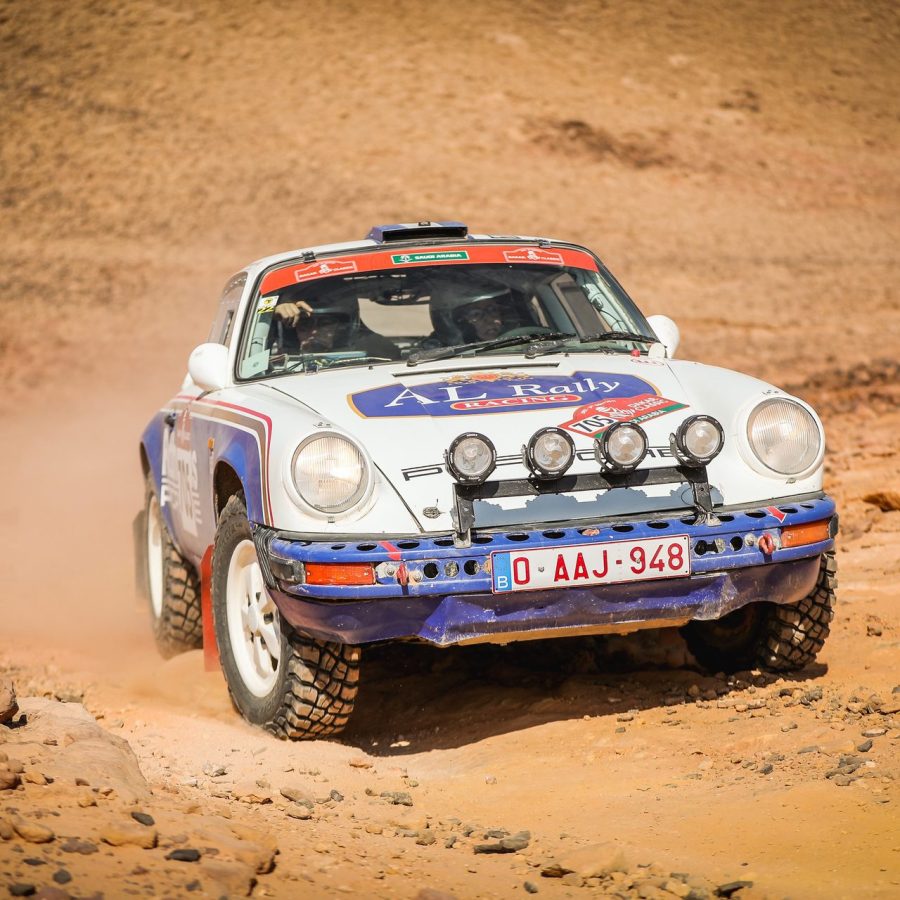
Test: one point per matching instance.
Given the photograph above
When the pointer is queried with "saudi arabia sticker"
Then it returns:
(400, 259)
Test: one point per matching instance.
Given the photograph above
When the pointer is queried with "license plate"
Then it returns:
(610, 562)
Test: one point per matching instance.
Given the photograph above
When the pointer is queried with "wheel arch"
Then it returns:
(226, 483)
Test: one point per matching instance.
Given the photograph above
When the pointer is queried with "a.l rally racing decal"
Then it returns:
(488, 392)
(594, 418)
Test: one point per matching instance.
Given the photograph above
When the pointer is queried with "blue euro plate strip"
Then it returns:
(474, 575)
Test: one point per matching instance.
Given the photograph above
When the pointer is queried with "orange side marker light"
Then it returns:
(340, 573)
(811, 533)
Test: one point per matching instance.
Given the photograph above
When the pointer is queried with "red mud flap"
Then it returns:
(210, 648)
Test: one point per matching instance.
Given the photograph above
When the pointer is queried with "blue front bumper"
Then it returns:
(448, 598)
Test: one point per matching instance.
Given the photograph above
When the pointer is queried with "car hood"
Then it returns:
(406, 418)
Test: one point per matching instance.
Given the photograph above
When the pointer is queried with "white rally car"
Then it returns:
(430, 435)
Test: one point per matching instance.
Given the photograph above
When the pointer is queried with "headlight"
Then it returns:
(330, 472)
(784, 436)
(549, 453)
(698, 440)
(471, 458)
(621, 447)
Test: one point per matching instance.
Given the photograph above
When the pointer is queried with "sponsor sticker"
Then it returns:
(402, 259)
(775, 511)
(324, 268)
(533, 255)
(267, 304)
(594, 418)
(482, 393)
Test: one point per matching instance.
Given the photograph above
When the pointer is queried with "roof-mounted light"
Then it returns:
(413, 231)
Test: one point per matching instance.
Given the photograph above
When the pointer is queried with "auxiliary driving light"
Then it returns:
(621, 447)
(698, 440)
(549, 453)
(471, 458)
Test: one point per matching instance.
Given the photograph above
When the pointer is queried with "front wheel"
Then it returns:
(778, 637)
(293, 686)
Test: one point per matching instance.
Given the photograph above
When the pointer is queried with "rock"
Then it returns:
(185, 854)
(74, 845)
(127, 834)
(360, 762)
(9, 780)
(337, 796)
(874, 732)
(6, 830)
(242, 844)
(425, 838)
(250, 792)
(214, 770)
(374, 828)
(8, 706)
(397, 798)
(865, 746)
(297, 794)
(530, 887)
(886, 501)
(62, 876)
(143, 818)
(222, 878)
(87, 751)
(841, 780)
(873, 630)
(21, 889)
(595, 860)
(299, 812)
(732, 887)
(32, 832)
(52, 893)
(572, 879)
(766, 769)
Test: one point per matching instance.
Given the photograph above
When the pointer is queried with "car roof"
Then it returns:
(397, 238)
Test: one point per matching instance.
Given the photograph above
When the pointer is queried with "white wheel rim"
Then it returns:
(254, 629)
(155, 556)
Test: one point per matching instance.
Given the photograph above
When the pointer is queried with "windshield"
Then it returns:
(388, 315)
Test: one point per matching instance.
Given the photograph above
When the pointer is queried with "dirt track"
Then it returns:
(737, 171)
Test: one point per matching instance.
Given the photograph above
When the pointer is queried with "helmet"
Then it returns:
(452, 307)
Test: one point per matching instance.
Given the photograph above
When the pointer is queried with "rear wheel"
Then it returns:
(172, 586)
(779, 637)
(291, 685)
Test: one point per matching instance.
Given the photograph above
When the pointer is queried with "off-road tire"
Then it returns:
(777, 637)
(316, 682)
(178, 626)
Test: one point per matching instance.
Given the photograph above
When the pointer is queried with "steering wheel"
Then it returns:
(525, 330)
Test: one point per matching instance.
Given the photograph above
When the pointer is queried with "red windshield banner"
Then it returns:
(462, 254)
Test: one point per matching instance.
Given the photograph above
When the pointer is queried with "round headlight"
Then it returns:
(330, 472)
(471, 458)
(698, 440)
(549, 453)
(621, 447)
(784, 436)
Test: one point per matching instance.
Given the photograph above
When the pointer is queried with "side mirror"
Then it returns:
(667, 331)
(208, 366)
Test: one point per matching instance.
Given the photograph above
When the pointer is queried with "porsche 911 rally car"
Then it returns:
(431, 435)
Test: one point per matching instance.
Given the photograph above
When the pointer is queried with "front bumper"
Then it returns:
(447, 596)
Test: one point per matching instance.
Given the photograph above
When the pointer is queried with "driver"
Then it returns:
(321, 326)
(471, 317)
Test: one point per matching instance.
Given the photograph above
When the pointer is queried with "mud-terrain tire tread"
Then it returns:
(179, 627)
(315, 696)
(795, 634)
(780, 637)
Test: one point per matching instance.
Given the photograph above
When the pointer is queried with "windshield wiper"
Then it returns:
(481, 346)
(599, 336)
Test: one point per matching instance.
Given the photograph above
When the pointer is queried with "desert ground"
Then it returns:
(736, 166)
